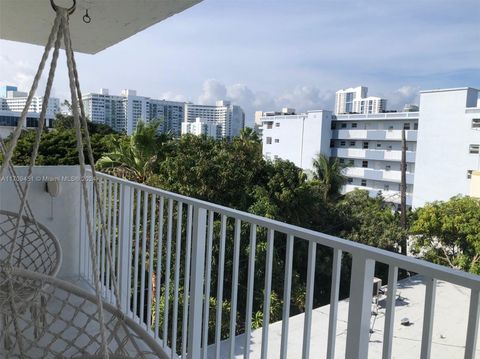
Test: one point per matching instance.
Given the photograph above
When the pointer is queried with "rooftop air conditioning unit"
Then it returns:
(377, 285)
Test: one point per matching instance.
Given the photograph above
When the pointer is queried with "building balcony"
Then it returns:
(377, 174)
(162, 247)
(367, 154)
(374, 135)
(379, 116)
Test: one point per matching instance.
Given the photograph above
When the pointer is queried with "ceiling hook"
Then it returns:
(70, 10)
(86, 18)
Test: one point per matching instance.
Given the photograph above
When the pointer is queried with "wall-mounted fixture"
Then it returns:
(53, 187)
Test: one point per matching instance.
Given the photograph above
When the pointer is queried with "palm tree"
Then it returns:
(329, 172)
(135, 157)
(248, 135)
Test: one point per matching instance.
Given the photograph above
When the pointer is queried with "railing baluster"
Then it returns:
(233, 311)
(115, 234)
(472, 328)
(167, 270)
(360, 307)
(137, 249)
(186, 282)
(221, 270)
(103, 234)
(178, 256)
(428, 311)
(150, 261)
(208, 276)
(159, 267)
(287, 288)
(335, 289)
(125, 246)
(390, 312)
(108, 206)
(144, 257)
(250, 287)
(307, 326)
(198, 263)
(268, 290)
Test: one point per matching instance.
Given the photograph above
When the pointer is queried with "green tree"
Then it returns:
(135, 157)
(448, 233)
(328, 171)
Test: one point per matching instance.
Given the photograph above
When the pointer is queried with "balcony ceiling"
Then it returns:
(112, 21)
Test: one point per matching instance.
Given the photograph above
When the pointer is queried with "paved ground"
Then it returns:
(449, 334)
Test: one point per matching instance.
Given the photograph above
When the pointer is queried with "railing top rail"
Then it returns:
(416, 265)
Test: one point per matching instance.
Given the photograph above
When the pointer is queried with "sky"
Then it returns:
(268, 54)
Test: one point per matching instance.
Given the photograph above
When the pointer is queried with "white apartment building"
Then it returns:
(448, 149)
(370, 146)
(15, 101)
(202, 128)
(12, 103)
(355, 100)
(230, 118)
(123, 112)
(297, 138)
(442, 140)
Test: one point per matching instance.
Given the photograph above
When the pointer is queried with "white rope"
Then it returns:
(33, 89)
(76, 120)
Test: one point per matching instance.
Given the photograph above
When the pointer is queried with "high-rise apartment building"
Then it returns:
(122, 112)
(202, 128)
(355, 100)
(230, 118)
(442, 140)
(12, 103)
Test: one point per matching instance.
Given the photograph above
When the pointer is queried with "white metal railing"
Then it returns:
(383, 116)
(163, 243)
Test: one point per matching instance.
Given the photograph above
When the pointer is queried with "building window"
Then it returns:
(390, 128)
(333, 126)
(469, 174)
(365, 164)
(342, 143)
(351, 163)
(389, 147)
(352, 143)
(350, 180)
(476, 123)
(269, 125)
(386, 187)
(406, 126)
(388, 167)
(354, 125)
(365, 145)
(364, 182)
(379, 145)
(277, 140)
(275, 157)
(332, 143)
(277, 124)
(475, 149)
(415, 126)
(269, 141)
(342, 160)
(344, 125)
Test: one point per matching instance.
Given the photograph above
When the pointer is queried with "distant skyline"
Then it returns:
(265, 54)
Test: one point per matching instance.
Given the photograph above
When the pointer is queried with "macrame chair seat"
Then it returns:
(36, 249)
(68, 326)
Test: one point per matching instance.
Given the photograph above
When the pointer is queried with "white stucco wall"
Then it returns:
(301, 137)
(444, 135)
(65, 224)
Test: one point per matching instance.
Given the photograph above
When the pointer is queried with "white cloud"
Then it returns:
(212, 91)
(406, 94)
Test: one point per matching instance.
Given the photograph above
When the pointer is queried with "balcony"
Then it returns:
(367, 154)
(389, 195)
(377, 174)
(374, 135)
(149, 229)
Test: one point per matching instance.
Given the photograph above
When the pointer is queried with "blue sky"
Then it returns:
(266, 54)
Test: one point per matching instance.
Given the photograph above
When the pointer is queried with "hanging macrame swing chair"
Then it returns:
(42, 316)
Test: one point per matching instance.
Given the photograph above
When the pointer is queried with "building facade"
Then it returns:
(298, 138)
(355, 100)
(12, 103)
(202, 128)
(230, 118)
(442, 144)
(122, 112)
